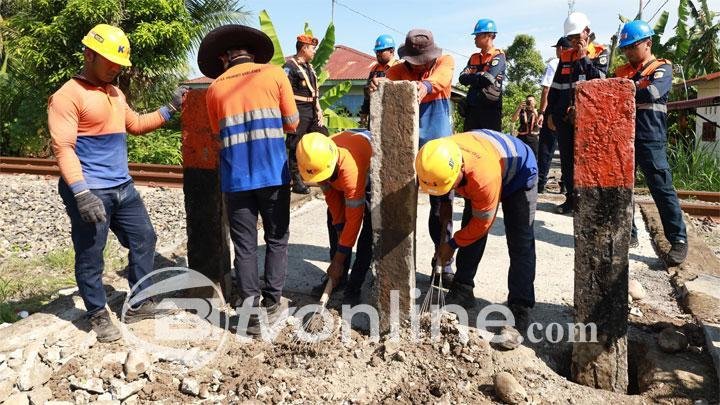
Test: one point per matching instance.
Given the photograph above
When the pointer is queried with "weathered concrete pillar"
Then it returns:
(604, 178)
(394, 116)
(208, 251)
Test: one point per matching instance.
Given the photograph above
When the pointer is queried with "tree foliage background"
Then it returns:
(40, 49)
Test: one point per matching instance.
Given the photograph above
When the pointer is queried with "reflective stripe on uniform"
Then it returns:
(305, 99)
(652, 106)
(255, 134)
(290, 118)
(654, 92)
(483, 214)
(507, 152)
(562, 86)
(242, 118)
(355, 203)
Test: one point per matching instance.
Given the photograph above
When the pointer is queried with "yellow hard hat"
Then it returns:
(110, 42)
(438, 166)
(317, 156)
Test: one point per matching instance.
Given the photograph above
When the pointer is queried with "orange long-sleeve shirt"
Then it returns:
(345, 195)
(88, 127)
(495, 165)
(435, 106)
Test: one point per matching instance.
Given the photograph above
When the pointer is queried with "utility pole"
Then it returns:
(640, 10)
(571, 6)
(332, 15)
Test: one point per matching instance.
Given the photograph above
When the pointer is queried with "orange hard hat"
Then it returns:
(307, 39)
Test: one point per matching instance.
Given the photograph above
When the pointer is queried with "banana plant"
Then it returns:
(325, 48)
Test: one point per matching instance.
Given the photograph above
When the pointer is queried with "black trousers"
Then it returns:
(363, 249)
(308, 123)
(546, 150)
(243, 207)
(483, 117)
(533, 141)
(566, 144)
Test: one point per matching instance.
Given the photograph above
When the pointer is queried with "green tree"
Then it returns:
(334, 121)
(41, 41)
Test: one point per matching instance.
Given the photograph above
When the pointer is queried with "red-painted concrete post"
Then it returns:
(208, 251)
(604, 178)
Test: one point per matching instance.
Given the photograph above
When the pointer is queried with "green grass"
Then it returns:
(29, 284)
(693, 168)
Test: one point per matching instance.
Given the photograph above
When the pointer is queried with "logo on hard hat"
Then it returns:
(451, 163)
(97, 37)
(121, 49)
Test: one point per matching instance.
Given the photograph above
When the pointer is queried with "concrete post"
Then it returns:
(208, 251)
(394, 116)
(604, 178)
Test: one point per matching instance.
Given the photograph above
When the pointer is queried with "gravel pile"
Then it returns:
(33, 220)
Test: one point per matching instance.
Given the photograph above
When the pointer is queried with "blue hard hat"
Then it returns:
(635, 31)
(485, 25)
(384, 41)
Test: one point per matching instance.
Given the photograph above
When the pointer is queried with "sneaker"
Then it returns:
(103, 326)
(461, 294)
(634, 241)
(147, 310)
(564, 208)
(447, 279)
(678, 253)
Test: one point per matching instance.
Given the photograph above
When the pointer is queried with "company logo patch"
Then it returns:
(658, 74)
(495, 62)
(603, 60)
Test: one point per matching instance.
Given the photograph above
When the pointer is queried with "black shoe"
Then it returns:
(147, 310)
(447, 279)
(564, 208)
(678, 253)
(299, 186)
(461, 294)
(103, 326)
(521, 314)
(351, 298)
(634, 241)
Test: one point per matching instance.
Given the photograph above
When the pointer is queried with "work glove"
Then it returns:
(90, 206)
(177, 98)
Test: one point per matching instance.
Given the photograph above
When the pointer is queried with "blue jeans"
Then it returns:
(273, 206)
(651, 158)
(546, 150)
(128, 219)
(519, 217)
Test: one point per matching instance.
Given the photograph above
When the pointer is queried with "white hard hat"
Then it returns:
(576, 23)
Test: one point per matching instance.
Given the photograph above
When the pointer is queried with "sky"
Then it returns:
(451, 21)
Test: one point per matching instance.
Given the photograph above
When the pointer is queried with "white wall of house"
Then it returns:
(710, 88)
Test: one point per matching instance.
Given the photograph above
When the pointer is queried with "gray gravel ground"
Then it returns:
(33, 220)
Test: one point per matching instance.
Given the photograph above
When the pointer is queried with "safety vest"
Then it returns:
(482, 61)
(565, 77)
(305, 91)
(641, 75)
(379, 69)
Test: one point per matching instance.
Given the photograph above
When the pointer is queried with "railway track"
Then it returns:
(143, 174)
(698, 203)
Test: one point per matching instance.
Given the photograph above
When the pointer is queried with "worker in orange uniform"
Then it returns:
(89, 118)
(484, 74)
(304, 82)
(585, 60)
(340, 164)
(385, 55)
(250, 105)
(431, 71)
(486, 168)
